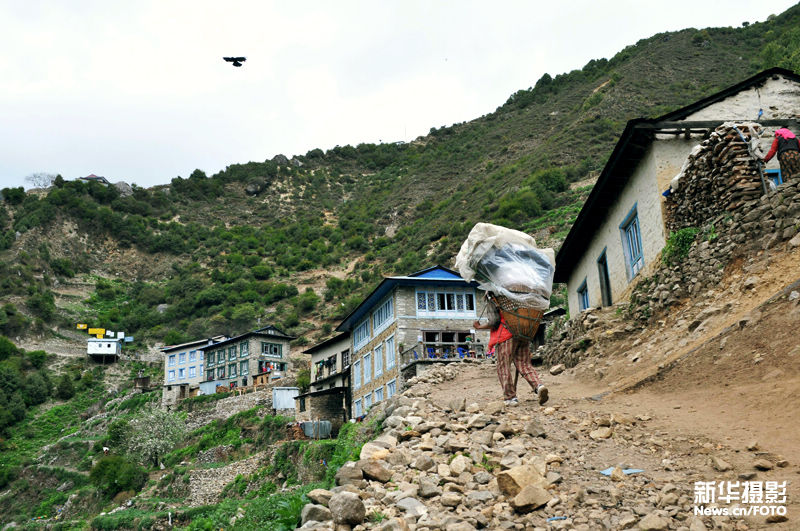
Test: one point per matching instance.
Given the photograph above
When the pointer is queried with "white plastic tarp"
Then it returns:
(507, 262)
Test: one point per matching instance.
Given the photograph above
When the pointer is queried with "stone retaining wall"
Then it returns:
(770, 222)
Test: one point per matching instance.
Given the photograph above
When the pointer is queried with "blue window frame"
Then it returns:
(632, 243)
(361, 335)
(583, 296)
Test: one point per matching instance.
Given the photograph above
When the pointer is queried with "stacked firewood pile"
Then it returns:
(719, 176)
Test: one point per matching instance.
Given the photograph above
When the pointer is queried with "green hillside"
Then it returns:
(203, 256)
(292, 241)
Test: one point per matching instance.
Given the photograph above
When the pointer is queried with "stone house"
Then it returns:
(328, 396)
(620, 231)
(406, 321)
(183, 369)
(239, 360)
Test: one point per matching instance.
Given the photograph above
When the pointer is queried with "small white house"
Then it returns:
(103, 347)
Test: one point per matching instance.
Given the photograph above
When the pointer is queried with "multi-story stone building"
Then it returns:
(238, 360)
(425, 315)
(183, 369)
(328, 397)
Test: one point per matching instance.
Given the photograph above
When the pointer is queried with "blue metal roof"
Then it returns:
(432, 276)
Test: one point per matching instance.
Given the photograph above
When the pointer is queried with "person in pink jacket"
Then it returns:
(787, 147)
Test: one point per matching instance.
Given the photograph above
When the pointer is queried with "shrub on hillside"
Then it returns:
(113, 474)
(117, 433)
(11, 321)
(37, 389)
(7, 348)
(65, 389)
(37, 358)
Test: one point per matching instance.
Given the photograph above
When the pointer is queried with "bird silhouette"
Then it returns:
(237, 61)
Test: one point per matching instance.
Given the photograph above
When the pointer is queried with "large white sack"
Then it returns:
(507, 262)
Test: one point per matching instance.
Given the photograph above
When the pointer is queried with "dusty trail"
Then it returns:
(670, 431)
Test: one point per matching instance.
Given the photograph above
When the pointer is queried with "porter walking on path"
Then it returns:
(508, 350)
(788, 149)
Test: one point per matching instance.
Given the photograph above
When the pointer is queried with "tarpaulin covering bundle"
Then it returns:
(508, 263)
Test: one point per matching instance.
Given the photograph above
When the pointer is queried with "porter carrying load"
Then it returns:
(518, 279)
(508, 265)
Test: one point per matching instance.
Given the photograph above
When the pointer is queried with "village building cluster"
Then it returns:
(409, 323)
(406, 325)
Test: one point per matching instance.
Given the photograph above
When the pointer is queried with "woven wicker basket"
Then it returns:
(521, 322)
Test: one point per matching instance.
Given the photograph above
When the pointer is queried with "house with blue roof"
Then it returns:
(406, 324)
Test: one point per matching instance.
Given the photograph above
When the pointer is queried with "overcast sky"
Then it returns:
(138, 91)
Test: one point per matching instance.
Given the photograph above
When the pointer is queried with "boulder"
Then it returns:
(535, 429)
(395, 524)
(320, 496)
(347, 508)
(460, 464)
(316, 513)
(423, 462)
(450, 499)
(123, 188)
(530, 498)
(601, 433)
(513, 480)
(373, 451)
(719, 464)
(376, 469)
(763, 464)
(428, 487)
(412, 507)
(349, 474)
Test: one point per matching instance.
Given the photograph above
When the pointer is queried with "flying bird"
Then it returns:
(237, 61)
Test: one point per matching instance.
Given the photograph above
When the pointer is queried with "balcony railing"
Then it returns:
(441, 350)
(325, 373)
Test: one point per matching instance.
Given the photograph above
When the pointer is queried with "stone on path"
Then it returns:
(513, 480)
(653, 522)
(719, 464)
(601, 433)
(530, 498)
(763, 464)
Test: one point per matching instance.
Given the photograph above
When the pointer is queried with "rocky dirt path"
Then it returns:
(453, 457)
(674, 432)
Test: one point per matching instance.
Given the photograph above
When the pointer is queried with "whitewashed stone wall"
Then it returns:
(778, 98)
(641, 191)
